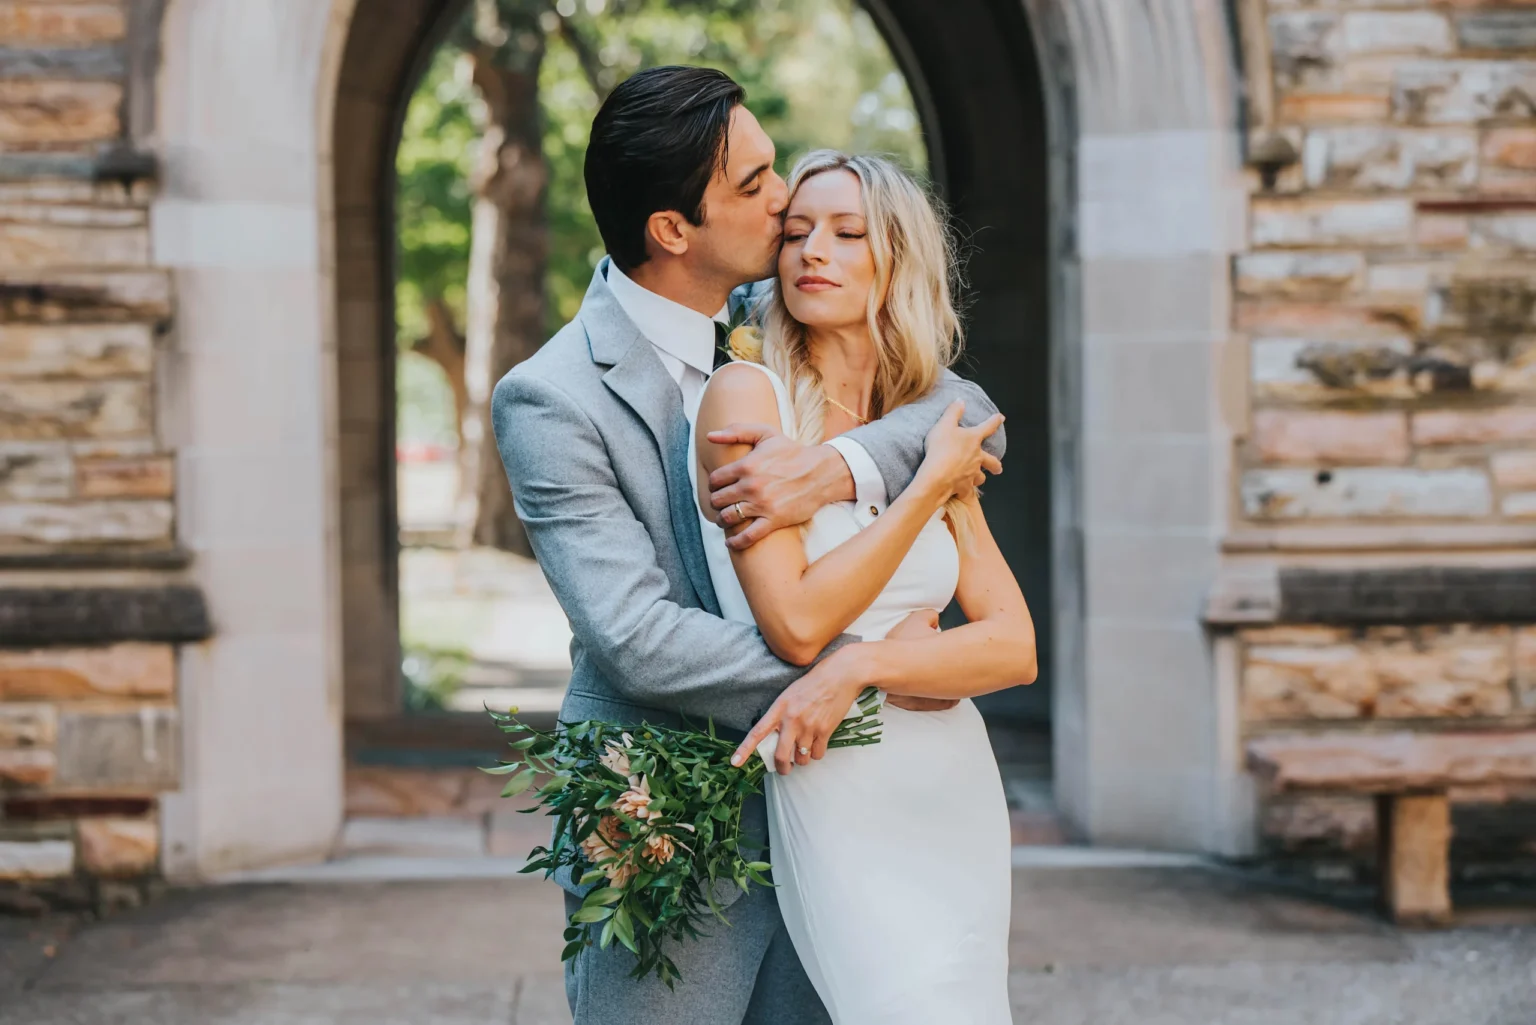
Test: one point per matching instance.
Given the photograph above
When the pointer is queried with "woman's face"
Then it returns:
(826, 268)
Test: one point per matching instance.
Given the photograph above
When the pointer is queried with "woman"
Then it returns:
(892, 861)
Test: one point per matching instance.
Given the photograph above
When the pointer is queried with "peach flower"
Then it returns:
(659, 849)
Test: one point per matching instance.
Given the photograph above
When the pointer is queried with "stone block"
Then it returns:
(1514, 470)
(1388, 159)
(1442, 232)
(1411, 278)
(1365, 493)
(100, 522)
(1384, 596)
(1331, 222)
(1511, 233)
(1307, 370)
(1463, 92)
(116, 848)
(1422, 33)
(1497, 30)
(42, 21)
(152, 477)
(1305, 634)
(1474, 426)
(110, 216)
(32, 471)
(28, 724)
(36, 859)
(1329, 682)
(120, 750)
(1430, 672)
(47, 113)
(1312, 438)
(76, 350)
(126, 670)
(1334, 108)
(1299, 275)
(1306, 47)
(1525, 667)
(62, 62)
(1320, 822)
(1486, 306)
(1521, 505)
(27, 766)
(1508, 161)
(47, 245)
(84, 296)
(74, 409)
(97, 614)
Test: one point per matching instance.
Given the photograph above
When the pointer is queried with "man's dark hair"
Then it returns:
(656, 143)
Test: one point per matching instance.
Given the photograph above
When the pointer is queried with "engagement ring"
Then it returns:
(803, 750)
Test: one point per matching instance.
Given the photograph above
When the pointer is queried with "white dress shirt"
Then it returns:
(685, 341)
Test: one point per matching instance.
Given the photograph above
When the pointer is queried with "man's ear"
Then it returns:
(668, 229)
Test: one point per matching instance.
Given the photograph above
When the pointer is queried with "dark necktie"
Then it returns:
(722, 350)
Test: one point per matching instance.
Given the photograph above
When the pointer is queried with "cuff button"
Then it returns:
(874, 511)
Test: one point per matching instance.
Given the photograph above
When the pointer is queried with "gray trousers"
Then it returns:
(747, 973)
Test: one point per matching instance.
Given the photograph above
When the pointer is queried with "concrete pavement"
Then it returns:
(1091, 946)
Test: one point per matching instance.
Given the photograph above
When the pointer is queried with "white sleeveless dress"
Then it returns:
(892, 861)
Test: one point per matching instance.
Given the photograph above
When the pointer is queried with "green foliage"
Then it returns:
(431, 677)
(660, 857)
(817, 73)
(433, 197)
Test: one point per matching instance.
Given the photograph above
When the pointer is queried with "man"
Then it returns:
(594, 436)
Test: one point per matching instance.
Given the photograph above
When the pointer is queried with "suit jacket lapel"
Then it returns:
(639, 379)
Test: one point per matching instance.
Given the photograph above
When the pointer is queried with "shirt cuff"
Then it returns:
(868, 485)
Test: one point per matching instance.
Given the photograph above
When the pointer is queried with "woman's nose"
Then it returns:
(813, 250)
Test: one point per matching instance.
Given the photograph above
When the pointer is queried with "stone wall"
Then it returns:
(1389, 292)
(89, 734)
(1388, 303)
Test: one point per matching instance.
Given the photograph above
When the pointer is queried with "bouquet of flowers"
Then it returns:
(653, 816)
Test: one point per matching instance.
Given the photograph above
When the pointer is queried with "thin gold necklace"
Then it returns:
(845, 409)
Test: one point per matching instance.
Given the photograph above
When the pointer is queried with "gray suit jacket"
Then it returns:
(592, 432)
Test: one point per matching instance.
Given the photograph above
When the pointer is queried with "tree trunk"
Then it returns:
(508, 253)
(443, 345)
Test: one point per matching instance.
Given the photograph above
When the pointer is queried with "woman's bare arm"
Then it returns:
(801, 607)
(994, 650)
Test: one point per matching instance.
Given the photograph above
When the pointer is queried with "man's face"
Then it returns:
(739, 239)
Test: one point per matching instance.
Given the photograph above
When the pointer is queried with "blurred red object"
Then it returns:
(422, 452)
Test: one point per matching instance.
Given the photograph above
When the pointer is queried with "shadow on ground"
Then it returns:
(1099, 946)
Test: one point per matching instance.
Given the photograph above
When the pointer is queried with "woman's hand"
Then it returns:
(919, 625)
(809, 711)
(954, 462)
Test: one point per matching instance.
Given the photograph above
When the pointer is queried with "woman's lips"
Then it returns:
(812, 283)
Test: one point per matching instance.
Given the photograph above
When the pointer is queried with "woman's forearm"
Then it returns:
(799, 618)
(977, 658)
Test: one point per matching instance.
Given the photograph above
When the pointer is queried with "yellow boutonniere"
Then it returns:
(746, 343)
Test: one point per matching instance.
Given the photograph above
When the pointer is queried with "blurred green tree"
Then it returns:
(494, 230)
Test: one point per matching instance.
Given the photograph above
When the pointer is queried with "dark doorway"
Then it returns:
(979, 88)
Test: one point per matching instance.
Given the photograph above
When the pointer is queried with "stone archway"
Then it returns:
(277, 124)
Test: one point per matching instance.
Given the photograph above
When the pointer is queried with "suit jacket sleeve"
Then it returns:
(896, 442)
(602, 567)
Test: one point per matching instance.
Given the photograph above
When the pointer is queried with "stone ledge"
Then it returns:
(1416, 594)
(1371, 596)
(105, 558)
(1392, 762)
(36, 616)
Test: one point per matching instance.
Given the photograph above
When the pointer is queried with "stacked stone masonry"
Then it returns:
(1387, 300)
(88, 736)
(1388, 295)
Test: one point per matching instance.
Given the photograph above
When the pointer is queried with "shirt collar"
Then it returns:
(671, 327)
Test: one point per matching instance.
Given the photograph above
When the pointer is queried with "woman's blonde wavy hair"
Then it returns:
(911, 311)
